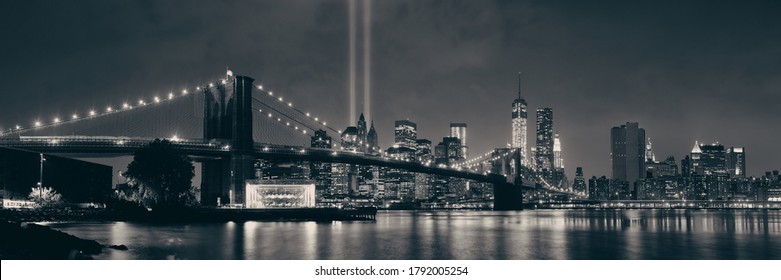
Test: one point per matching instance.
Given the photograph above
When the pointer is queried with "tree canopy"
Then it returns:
(45, 196)
(161, 175)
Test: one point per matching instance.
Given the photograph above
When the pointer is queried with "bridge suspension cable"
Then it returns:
(109, 110)
(477, 160)
(280, 113)
(282, 100)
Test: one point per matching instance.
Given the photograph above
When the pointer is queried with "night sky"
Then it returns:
(685, 70)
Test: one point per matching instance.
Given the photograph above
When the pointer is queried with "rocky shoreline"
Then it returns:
(28, 241)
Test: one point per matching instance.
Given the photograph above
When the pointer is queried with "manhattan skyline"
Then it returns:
(692, 71)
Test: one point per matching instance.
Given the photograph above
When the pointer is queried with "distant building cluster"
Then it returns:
(340, 184)
(710, 172)
(337, 183)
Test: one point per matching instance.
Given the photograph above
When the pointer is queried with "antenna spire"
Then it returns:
(519, 85)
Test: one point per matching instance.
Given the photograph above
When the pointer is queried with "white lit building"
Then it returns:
(558, 161)
(280, 194)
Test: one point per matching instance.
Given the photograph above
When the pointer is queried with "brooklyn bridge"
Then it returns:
(230, 123)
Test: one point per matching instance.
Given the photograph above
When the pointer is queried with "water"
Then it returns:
(539, 234)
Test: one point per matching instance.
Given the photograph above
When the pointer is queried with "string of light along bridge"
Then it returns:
(157, 99)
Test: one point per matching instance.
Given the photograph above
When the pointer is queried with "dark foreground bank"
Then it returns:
(36, 242)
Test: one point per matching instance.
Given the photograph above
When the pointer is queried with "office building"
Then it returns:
(558, 161)
(627, 152)
(519, 125)
(544, 148)
(458, 130)
(736, 162)
(405, 133)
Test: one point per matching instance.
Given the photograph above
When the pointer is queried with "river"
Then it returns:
(537, 234)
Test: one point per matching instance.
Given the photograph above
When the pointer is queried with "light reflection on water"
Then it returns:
(540, 234)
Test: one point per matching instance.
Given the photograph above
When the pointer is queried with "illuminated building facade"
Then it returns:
(261, 194)
(736, 162)
(448, 151)
(544, 151)
(350, 141)
(519, 125)
(405, 133)
(321, 171)
(558, 161)
(458, 130)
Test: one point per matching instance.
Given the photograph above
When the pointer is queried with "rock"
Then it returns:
(118, 247)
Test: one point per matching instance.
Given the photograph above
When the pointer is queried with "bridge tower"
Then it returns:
(509, 196)
(228, 118)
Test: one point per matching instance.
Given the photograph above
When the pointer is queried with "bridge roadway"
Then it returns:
(107, 146)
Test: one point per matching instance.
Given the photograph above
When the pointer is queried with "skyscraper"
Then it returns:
(423, 181)
(628, 152)
(694, 161)
(423, 152)
(712, 171)
(448, 151)
(558, 161)
(458, 130)
(519, 124)
(713, 159)
(544, 157)
(405, 134)
(579, 185)
(372, 140)
(736, 162)
(649, 152)
(321, 171)
(362, 134)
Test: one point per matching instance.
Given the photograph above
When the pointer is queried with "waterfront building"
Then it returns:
(262, 194)
(599, 188)
(579, 183)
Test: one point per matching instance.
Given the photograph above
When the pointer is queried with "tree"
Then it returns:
(45, 196)
(161, 175)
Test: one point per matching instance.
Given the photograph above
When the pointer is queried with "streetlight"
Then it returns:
(40, 178)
